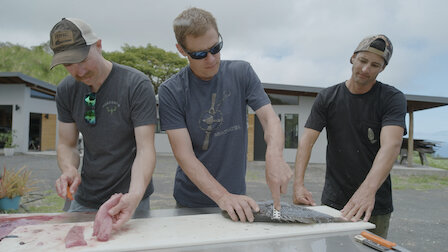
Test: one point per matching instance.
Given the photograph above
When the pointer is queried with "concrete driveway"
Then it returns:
(419, 222)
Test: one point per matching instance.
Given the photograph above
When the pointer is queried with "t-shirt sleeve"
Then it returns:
(170, 111)
(256, 97)
(143, 106)
(317, 119)
(395, 111)
(63, 103)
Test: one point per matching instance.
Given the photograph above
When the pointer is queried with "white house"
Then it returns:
(27, 106)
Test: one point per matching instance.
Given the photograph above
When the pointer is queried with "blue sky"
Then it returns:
(307, 42)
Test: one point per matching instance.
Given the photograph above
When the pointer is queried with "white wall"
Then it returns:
(303, 109)
(319, 150)
(20, 94)
(14, 95)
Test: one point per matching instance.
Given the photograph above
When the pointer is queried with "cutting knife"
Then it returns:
(68, 200)
(369, 243)
(275, 213)
(383, 242)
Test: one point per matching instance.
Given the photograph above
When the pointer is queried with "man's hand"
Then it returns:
(278, 174)
(301, 196)
(124, 210)
(361, 203)
(239, 207)
(102, 227)
(69, 178)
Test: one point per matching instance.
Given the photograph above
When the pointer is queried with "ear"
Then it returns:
(352, 58)
(98, 45)
(181, 50)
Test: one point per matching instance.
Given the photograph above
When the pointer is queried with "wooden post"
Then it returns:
(411, 139)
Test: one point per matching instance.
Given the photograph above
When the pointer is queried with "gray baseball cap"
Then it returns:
(370, 44)
(70, 40)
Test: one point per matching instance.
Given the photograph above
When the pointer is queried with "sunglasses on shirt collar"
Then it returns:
(89, 115)
(202, 54)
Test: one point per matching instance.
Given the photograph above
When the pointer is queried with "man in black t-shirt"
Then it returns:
(365, 123)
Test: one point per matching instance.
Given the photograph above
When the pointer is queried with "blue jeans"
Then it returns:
(76, 207)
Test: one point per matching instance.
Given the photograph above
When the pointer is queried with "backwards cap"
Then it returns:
(378, 44)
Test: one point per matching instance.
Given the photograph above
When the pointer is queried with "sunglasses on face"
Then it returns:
(202, 54)
(89, 115)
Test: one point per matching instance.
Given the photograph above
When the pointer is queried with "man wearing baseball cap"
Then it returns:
(365, 123)
(114, 108)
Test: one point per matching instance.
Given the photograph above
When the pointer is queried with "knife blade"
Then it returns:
(369, 243)
(68, 200)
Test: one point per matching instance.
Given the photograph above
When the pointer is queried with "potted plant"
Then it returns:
(8, 138)
(14, 185)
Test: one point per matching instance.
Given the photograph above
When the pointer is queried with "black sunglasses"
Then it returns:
(202, 54)
(89, 115)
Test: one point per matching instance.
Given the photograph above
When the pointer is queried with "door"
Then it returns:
(48, 133)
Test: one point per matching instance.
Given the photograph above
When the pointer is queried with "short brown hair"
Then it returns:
(193, 21)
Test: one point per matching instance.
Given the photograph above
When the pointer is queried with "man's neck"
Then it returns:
(357, 88)
(105, 69)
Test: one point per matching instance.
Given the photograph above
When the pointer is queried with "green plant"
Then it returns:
(8, 138)
(15, 183)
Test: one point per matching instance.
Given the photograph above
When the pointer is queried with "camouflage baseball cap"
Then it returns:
(70, 40)
(378, 44)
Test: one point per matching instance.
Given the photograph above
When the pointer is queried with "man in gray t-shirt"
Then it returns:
(203, 109)
(114, 108)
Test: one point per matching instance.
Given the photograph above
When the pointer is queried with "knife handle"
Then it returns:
(379, 240)
(69, 194)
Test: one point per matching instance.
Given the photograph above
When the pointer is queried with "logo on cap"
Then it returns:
(61, 38)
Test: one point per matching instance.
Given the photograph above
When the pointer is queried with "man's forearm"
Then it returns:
(302, 159)
(382, 166)
(391, 138)
(275, 140)
(142, 171)
(303, 155)
(201, 177)
(68, 158)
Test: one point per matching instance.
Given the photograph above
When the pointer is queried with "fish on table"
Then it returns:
(290, 213)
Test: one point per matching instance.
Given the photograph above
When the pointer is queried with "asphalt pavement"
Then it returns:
(419, 222)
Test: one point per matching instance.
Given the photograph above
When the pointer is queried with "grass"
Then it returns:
(51, 203)
(441, 163)
(419, 182)
(46, 202)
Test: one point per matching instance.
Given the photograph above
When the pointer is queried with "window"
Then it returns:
(291, 131)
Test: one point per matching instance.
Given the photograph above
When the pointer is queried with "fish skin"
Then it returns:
(292, 214)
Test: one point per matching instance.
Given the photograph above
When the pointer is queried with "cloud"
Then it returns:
(307, 42)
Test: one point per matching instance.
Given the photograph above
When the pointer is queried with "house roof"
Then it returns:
(33, 83)
(414, 102)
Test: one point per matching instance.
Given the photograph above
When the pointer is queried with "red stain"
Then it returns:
(8, 224)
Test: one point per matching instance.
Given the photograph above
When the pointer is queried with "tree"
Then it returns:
(34, 62)
(155, 62)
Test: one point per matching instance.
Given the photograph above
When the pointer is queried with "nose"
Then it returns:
(365, 68)
(210, 57)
